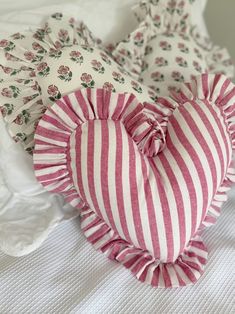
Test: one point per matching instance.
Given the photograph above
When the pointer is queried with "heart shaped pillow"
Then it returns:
(147, 194)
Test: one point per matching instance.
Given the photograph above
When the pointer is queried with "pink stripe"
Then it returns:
(82, 104)
(178, 199)
(67, 108)
(132, 261)
(54, 135)
(55, 122)
(222, 98)
(77, 163)
(188, 182)
(55, 175)
(202, 142)
(143, 275)
(134, 195)
(104, 171)
(119, 183)
(195, 159)
(186, 269)
(209, 126)
(53, 150)
(166, 277)
(131, 115)
(90, 165)
(42, 143)
(119, 107)
(151, 211)
(155, 277)
(222, 131)
(205, 86)
(165, 212)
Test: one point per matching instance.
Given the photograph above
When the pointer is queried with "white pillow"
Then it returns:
(27, 212)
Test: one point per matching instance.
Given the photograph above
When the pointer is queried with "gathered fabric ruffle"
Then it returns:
(218, 92)
(21, 60)
(186, 270)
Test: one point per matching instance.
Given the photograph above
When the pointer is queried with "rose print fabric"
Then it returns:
(22, 65)
(39, 68)
(166, 49)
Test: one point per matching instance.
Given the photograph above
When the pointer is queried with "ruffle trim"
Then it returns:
(219, 92)
(159, 17)
(52, 138)
(21, 58)
(189, 266)
(186, 270)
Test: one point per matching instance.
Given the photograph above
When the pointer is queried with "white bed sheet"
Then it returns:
(66, 275)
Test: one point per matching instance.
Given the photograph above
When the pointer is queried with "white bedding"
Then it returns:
(66, 275)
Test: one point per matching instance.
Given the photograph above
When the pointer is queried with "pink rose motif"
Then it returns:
(29, 55)
(6, 92)
(110, 48)
(7, 70)
(87, 78)
(96, 63)
(4, 43)
(116, 75)
(8, 56)
(157, 76)
(177, 76)
(36, 46)
(179, 59)
(42, 66)
(165, 45)
(63, 34)
(156, 18)
(27, 99)
(109, 87)
(75, 54)
(138, 36)
(52, 90)
(134, 84)
(58, 45)
(63, 70)
(19, 120)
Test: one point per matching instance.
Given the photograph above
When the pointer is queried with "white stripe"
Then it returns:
(159, 216)
(76, 106)
(126, 188)
(172, 274)
(97, 169)
(202, 157)
(142, 201)
(51, 141)
(112, 177)
(192, 169)
(172, 207)
(65, 118)
(208, 138)
(185, 197)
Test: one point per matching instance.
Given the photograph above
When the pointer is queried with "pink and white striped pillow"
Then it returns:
(146, 194)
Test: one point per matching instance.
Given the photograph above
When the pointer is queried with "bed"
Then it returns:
(66, 275)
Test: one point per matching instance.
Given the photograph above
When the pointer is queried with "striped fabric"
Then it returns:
(145, 193)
